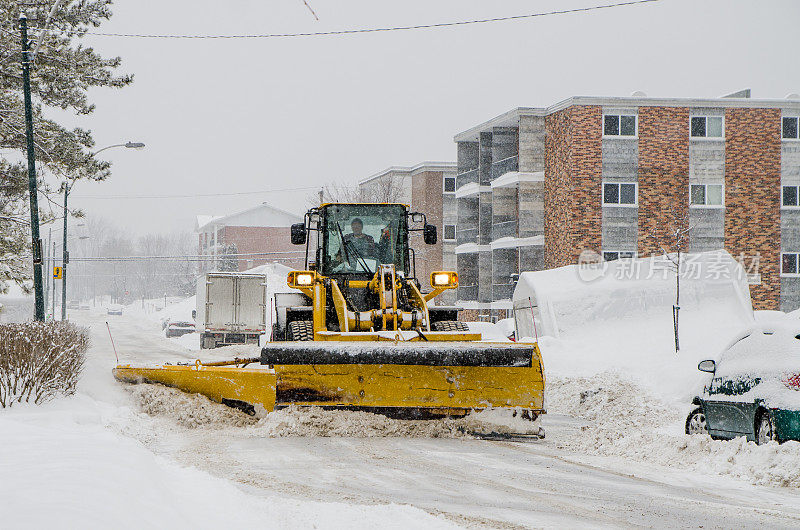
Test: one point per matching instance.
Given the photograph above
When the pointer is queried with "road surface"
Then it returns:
(476, 483)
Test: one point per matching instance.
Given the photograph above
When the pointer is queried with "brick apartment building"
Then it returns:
(260, 229)
(536, 186)
(428, 187)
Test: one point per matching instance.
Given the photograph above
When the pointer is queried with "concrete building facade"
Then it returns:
(429, 188)
(249, 238)
(537, 186)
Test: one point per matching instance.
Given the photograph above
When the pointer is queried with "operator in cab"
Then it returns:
(357, 239)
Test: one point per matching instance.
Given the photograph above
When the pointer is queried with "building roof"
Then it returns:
(263, 214)
(413, 170)
(739, 99)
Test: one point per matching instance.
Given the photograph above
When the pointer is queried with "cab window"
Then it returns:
(358, 238)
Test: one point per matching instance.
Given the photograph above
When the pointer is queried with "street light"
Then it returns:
(65, 257)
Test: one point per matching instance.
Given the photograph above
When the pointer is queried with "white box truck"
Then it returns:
(231, 308)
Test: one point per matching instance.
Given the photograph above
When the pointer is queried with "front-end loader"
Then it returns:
(361, 333)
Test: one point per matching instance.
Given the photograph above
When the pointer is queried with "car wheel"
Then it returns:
(696, 422)
(765, 428)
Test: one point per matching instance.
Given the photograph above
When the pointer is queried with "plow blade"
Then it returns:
(449, 377)
(246, 388)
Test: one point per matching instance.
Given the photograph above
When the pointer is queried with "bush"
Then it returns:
(39, 361)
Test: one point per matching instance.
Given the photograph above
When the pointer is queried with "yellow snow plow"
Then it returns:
(360, 334)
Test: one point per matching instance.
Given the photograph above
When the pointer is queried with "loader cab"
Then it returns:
(355, 239)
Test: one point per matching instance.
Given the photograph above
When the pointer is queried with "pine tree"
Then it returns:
(63, 71)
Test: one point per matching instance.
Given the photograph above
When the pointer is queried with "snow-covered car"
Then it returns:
(754, 390)
(177, 328)
(114, 309)
(72, 304)
(83, 306)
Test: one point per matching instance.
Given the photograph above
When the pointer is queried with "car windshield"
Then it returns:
(359, 237)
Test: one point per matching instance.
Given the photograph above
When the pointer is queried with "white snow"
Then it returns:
(617, 396)
(579, 300)
(63, 469)
(70, 464)
(625, 421)
(615, 366)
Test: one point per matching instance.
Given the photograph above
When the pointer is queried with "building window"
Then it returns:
(619, 125)
(449, 184)
(790, 262)
(705, 195)
(612, 255)
(449, 233)
(619, 193)
(789, 130)
(791, 196)
(706, 127)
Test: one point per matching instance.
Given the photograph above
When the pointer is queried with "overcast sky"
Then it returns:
(253, 116)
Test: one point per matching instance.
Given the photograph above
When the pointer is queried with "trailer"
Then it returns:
(231, 308)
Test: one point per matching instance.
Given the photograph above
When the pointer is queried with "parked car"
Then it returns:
(114, 309)
(72, 304)
(178, 328)
(754, 390)
(84, 306)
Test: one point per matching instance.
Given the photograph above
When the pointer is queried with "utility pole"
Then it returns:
(47, 267)
(53, 280)
(36, 243)
(65, 258)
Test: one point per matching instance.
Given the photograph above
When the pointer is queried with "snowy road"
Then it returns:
(471, 482)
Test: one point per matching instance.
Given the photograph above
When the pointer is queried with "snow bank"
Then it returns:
(193, 411)
(178, 312)
(585, 299)
(619, 317)
(624, 420)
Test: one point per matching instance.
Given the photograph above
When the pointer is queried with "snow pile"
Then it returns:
(178, 312)
(194, 411)
(579, 300)
(188, 410)
(623, 420)
(314, 421)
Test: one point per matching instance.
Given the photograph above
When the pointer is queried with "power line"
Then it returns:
(366, 30)
(196, 257)
(193, 195)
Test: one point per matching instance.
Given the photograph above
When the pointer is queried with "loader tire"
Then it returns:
(301, 330)
(450, 325)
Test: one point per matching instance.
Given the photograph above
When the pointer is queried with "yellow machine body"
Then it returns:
(369, 341)
(232, 385)
(445, 389)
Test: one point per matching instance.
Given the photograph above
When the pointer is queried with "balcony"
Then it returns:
(504, 229)
(506, 165)
(466, 235)
(502, 291)
(467, 177)
(467, 292)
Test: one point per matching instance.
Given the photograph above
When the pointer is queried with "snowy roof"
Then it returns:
(511, 118)
(413, 170)
(261, 215)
